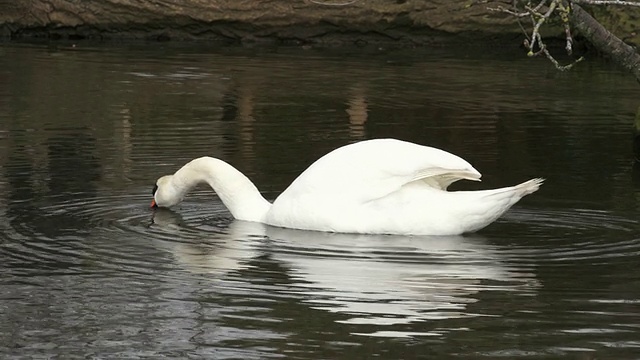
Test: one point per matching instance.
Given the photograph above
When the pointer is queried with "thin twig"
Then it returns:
(541, 20)
(557, 64)
(534, 42)
(569, 44)
(564, 16)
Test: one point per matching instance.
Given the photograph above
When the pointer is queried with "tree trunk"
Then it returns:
(605, 41)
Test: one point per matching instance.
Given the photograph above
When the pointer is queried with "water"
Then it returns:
(87, 270)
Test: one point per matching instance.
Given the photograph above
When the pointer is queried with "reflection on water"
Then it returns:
(392, 279)
(230, 251)
(89, 271)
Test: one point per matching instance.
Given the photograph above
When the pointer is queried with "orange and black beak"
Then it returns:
(153, 204)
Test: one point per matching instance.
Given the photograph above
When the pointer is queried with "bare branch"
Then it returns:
(569, 44)
(557, 64)
(536, 29)
(539, 14)
(564, 16)
(565, 11)
(607, 2)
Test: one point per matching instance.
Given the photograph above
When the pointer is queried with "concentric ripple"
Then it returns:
(373, 285)
(570, 235)
(85, 235)
(391, 279)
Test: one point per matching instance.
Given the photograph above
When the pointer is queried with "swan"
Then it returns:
(379, 186)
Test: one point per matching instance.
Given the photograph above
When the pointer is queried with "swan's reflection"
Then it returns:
(385, 280)
(373, 279)
(199, 252)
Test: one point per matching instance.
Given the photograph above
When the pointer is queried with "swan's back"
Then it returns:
(370, 169)
(346, 179)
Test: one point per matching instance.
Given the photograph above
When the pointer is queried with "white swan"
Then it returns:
(381, 186)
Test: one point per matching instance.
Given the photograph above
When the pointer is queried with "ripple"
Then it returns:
(388, 282)
(568, 236)
(573, 220)
(100, 234)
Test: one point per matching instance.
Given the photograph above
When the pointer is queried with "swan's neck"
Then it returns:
(236, 191)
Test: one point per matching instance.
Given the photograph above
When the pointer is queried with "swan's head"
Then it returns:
(164, 193)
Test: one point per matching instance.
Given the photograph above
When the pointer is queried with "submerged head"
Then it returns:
(164, 193)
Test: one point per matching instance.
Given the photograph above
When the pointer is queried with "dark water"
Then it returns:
(88, 271)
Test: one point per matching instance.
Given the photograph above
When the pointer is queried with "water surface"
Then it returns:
(88, 271)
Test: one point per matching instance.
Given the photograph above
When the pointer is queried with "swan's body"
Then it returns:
(381, 186)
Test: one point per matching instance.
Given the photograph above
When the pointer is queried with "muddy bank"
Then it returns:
(282, 21)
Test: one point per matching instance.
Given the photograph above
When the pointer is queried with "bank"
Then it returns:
(328, 22)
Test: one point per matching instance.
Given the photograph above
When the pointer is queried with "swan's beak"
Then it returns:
(153, 204)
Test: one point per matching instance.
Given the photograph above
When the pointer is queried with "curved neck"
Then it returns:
(236, 191)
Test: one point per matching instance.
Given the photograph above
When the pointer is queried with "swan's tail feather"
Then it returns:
(491, 204)
(517, 191)
(528, 187)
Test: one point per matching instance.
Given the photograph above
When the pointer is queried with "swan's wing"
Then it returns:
(372, 169)
(441, 178)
